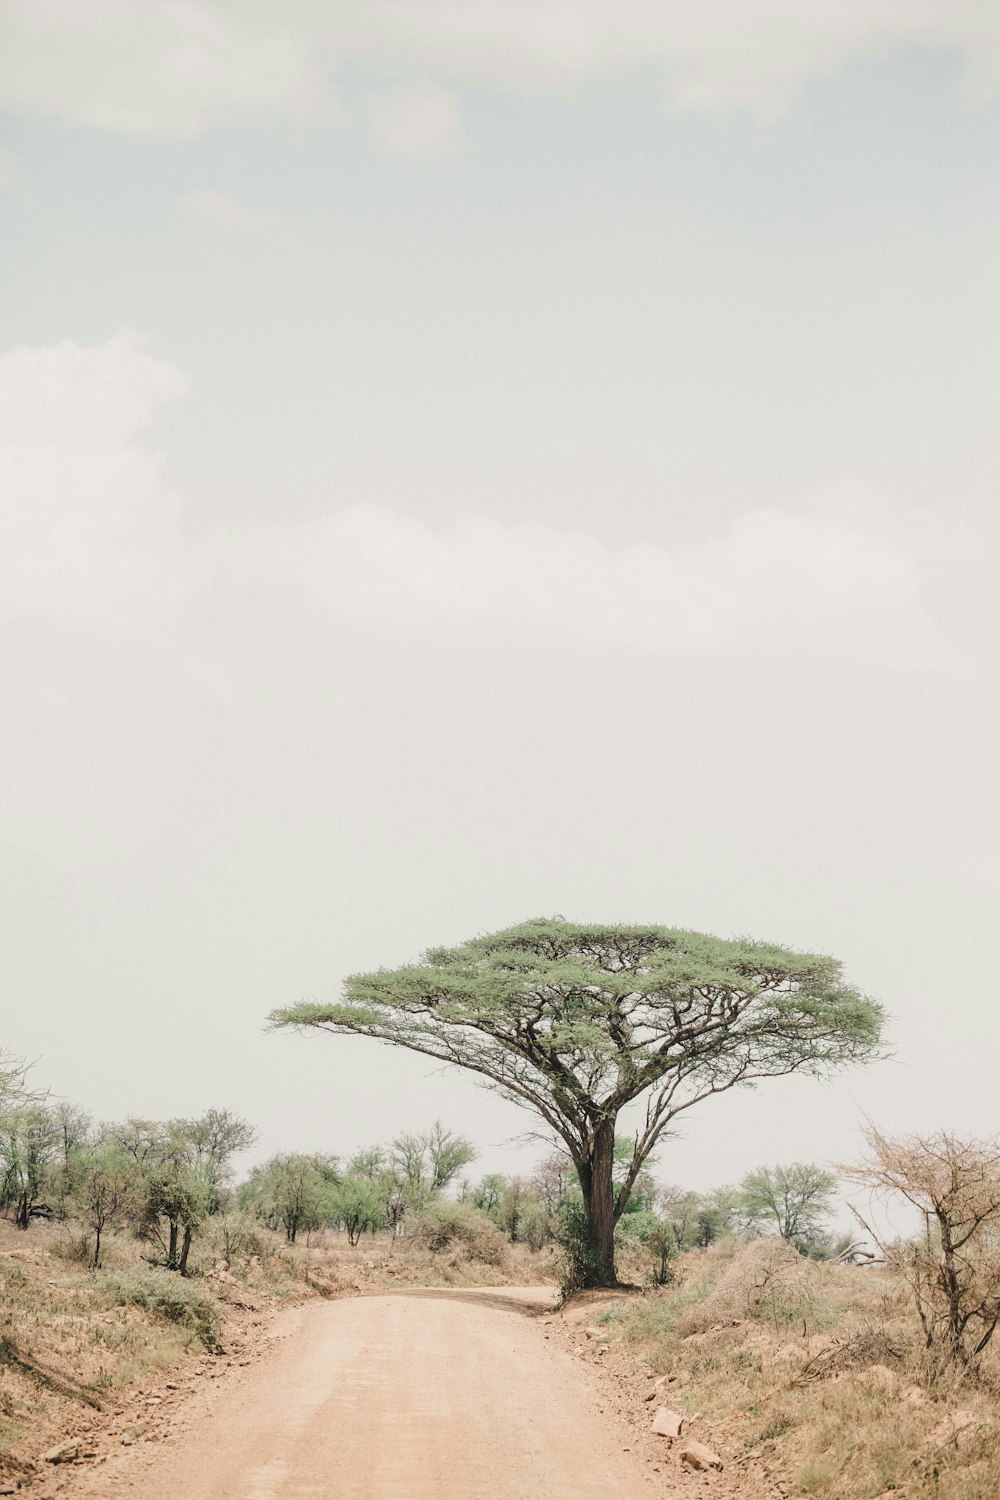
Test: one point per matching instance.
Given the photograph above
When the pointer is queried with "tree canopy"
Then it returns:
(577, 1021)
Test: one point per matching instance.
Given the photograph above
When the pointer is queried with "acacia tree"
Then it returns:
(795, 1199)
(215, 1138)
(576, 1022)
(109, 1190)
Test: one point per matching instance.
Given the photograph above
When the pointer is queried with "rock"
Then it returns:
(7, 1489)
(668, 1423)
(63, 1453)
(663, 1383)
(596, 1333)
(697, 1456)
(130, 1434)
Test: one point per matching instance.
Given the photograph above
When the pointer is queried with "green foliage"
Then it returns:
(293, 1192)
(716, 1214)
(429, 1161)
(486, 1195)
(656, 1237)
(29, 1142)
(794, 1200)
(215, 1138)
(576, 1021)
(184, 1166)
(580, 1260)
(108, 1190)
(359, 1204)
(680, 1210)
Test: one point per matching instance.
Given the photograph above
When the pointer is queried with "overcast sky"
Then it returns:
(465, 461)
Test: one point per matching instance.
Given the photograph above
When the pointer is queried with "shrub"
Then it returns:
(765, 1282)
(580, 1260)
(168, 1297)
(657, 1240)
(953, 1268)
(443, 1226)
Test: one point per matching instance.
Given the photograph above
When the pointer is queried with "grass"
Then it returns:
(814, 1374)
(168, 1298)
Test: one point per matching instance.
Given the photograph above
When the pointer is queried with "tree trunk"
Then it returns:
(182, 1264)
(97, 1247)
(172, 1247)
(599, 1205)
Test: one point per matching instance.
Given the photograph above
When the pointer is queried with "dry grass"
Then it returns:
(815, 1375)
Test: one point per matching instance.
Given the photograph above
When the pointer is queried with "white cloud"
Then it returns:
(416, 122)
(171, 69)
(89, 533)
(775, 582)
(87, 517)
(161, 68)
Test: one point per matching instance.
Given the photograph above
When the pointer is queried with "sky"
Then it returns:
(466, 461)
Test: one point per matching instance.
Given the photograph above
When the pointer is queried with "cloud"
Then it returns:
(174, 70)
(416, 122)
(160, 68)
(783, 584)
(87, 516)
(90, 534)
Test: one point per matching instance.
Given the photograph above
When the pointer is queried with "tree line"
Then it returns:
(164, 1180)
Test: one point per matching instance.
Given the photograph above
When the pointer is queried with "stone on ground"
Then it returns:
(698, 1456)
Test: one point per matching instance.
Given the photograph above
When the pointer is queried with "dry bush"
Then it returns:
(449, 1226)
(953, 1268)
(764, 1282)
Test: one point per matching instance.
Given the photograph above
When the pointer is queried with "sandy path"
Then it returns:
(420, 1396)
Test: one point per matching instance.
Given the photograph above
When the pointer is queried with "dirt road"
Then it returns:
(408, 1396)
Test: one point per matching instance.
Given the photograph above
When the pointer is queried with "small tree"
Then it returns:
(954, 1267)
(358, 1204)
(577, 1021)
(108, 1191)
(74, 1126)
(293, 1192)
(656, 1237)
(216, 1137)
(715, 1215)
(29, 1144)
(430, 1160)
(487, 1193)
(795, 1200)
(678, 1209)
(176, 1187)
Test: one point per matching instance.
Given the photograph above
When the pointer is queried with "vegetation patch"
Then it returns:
(171, 1298)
